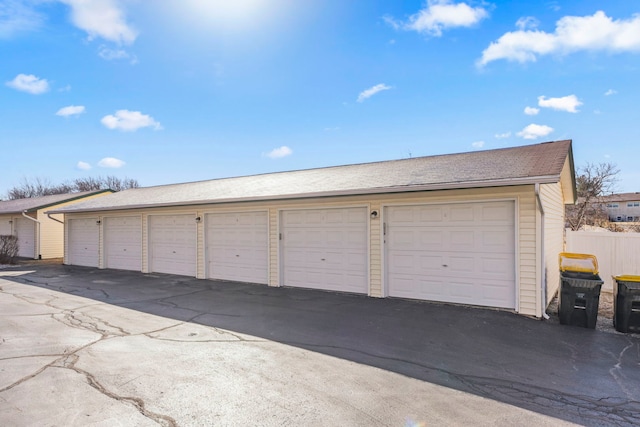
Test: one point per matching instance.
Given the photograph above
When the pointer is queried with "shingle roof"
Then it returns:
(35, 203)
(508, 166)
(622, 197)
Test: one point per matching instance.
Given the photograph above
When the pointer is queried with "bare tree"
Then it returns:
(43, 187)
(592, 183)
(37, 187)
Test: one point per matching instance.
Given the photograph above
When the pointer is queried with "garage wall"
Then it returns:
(527, 276)
(51, 236)
(551, 197)
(274, 247)
(376, 269)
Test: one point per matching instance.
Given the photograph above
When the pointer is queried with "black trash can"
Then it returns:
(579, 298)
(626, 303)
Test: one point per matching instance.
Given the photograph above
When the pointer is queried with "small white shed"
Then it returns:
(40, 236)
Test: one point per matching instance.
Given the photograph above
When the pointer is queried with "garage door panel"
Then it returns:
(462, 239)
(465, 255)
(123, 243)
(325, 249)
(356, 239)
(432, 214)
(172, 241)
(26, 233)
(501, 213)
(496, 240)
(237, 246)
(83, 246)
(461, 264)
(462, 213)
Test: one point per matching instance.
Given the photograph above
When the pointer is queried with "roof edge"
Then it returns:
(549, 179)
(78, 197)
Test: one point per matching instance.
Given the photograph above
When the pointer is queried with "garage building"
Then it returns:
(40, 235)
(482, 228)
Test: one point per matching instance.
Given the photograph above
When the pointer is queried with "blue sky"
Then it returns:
(170, 91)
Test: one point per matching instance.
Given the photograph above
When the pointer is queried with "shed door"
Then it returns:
(84, 235)
(5, 226)
(172, 244)
(325, 249)
(26, 232)
(237, 246)
(461, 253)
(123, 243)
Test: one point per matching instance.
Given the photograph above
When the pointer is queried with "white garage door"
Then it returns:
(237, 246)
(84, 235)
(325, 249)
(5, 226)
(172, 244)
(123, 243)
(461, 253)
(26, 232)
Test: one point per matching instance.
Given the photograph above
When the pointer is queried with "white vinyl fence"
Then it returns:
(617, 253)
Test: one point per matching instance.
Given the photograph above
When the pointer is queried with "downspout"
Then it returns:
(24, 214)
(54, 219)
(543, 273)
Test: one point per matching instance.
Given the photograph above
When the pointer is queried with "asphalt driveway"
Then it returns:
(81, 346)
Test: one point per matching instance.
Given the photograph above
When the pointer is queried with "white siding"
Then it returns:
(51, 236)
(551, 197)
(375, 252)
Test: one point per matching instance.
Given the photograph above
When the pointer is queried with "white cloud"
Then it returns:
(83, 166)
(503, 135)
(368, 93)
(439, 15)
(101, 18)
(527, 22)
(597, 32)
(111, 162)
(71, 110)
(610, 92)
(17, 17)
(477, 144)
(280, 152)
(29, 83)
(534, 131)
(566, 103)
(531, 111)
(129, 121)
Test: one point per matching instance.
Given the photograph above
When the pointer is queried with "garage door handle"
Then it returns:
(322, 259)
(237, 256)
(445, 265)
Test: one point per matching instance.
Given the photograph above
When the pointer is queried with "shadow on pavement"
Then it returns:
(570, 373)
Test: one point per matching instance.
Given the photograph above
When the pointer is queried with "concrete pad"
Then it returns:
(180, 351)
(266, 383)
(62, 397)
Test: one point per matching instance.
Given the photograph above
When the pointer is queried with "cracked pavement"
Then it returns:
(81, 346)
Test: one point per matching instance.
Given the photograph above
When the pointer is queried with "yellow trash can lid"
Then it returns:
(582, 263)
(627, 278)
